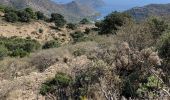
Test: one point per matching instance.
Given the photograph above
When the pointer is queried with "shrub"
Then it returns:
(157, 27)
(79, 52)
(11, 17)
(9, 9)
(87, 31)
(24, 16)
(78, 36)
(61, 80)
(18, 52)
(84, 21)
(41, 30)
(71, 26)
(43, 61)
(30, 12)
(19, 47)
(40, 15)
(164, 46)
(3, 52)
(60, 23)
(51, 44)
(112, 22)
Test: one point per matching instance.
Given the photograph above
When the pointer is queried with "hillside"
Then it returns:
(72, 11)
(113, 59)
(141, 13)
(92, 3)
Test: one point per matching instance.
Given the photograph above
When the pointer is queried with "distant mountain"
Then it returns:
(92, 3)
(141, 13)
(73, 11)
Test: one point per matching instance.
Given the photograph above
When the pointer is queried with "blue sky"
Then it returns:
(125, 4)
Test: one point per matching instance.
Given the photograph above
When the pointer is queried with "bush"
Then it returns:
(164, 46)
(55, 17)
(43, 61)
(3, 52)
(84, 21)
(51, 44)
(18, 52)
(61, 80)
(71, 26)
(78, 36)
(40, 15)
(41, 30)
(30, 12)
(112, 22)
(9, 9)
(79, 52)
(24, 16)
(157, 27)
(58, 19)
(19, 47)
(11, 17)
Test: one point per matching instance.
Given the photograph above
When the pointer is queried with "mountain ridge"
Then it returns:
(142, 13)
(73, 11)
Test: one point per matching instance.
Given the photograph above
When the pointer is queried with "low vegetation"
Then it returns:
(117, 58)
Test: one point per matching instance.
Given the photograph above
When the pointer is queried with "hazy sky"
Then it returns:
(126, 4)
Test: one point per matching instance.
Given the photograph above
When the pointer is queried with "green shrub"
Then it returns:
(78, 36)
(11, 17)
(41, 30)
(24, 16)
(84, 21)
(58, 19)
(18, 52)
(61, 80)
(40, 15)
(30, 12)
(9, 9)
(164, 46)
(51, 44)
(71, 26)
(157, 27)
(3, 52)
(18, 46)
(112, 22)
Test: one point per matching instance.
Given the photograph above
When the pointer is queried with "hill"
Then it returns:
(72, 11)
(92, 3)
(141, 13)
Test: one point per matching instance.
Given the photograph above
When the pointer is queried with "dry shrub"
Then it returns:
(136, 35)
(128, 58)
(12, 67)
(43, 61)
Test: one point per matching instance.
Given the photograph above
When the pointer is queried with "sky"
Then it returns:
(126, 3)
(121, 5)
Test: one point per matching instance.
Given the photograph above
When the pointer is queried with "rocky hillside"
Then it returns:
(72, 11)
(92, 3)
(141, 13)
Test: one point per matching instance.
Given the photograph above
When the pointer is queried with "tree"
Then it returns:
(30, 12)
(58, 19)
(84, 21)
(40, 15)
(24, 16)
(112, 22)
(56, 16)
(11, 17)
